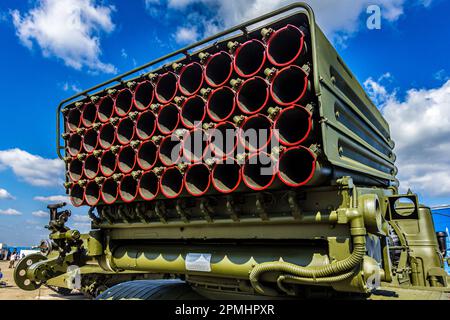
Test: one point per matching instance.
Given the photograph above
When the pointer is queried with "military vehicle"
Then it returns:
(311, 209)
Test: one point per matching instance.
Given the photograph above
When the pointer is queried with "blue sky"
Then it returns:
(53, 48)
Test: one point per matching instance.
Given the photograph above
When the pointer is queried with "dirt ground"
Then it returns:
(12, 292)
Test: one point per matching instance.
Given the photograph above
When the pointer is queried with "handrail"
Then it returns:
(242, 27)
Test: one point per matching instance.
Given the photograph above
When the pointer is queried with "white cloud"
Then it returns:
(33, 169)
(5, 195)
(67, 29)
(40, 214)
(71, 87)
(10, 212)
(420, 127)
(52, 199)
(186, 35)
(338, 18)
(81, 218)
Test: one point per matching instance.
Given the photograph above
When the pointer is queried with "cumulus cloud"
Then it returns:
(67, 29)
(10, 212)
(57, 198)
(420, 127)
(5, 195)
(40, 214)
(338, 18)
(33, 169)
(186, 35)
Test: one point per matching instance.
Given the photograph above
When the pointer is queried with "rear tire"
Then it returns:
(150, 290)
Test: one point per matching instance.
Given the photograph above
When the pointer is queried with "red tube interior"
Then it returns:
(110, 191)
(149, 186)
(253, 95)
(293, 125)
(146, 125)
(195, 145)
(168, 118)
(197, 179)
(226, 176)
(75, 169)
(223, 139)
(126, 159)
(91, 167)
(289, 85)
(74, 144)
(89, 114)
(125, 131)
(73, 119)
(259, 171)
(128, 189)
(296, 166)
(193, 112)
(147, 155)
(105, 109)
(77, 195)
(170, 150)
(285, 45)
(256, 132)
(191, 78)
(108, 163)
(221, 104)
(107, 136)
(166, 87)
(92, 193)
(218, 69)
(90, 140)
(249, 58)
(143, 95)
(124, 102)
(171, 183)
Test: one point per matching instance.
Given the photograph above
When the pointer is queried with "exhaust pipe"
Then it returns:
(75, 169)
(293, 125)
(89, 114)
(259, 171)
(195, 145)
(171, 182)
(105, 109)
(149, 186)
(285, 45)
(197, 179)
(107, 136)
(166, 87)
(226, 176)
(128, 188)
(218, 69)
(92, 193)
(125, 131)
(108, 162)
(90, 140)
(223, 139)
(73, 119)
(168, 118)
(146, 125)
(255, 132)
(77, 195)
(91, 167)
(124, 102)
(193, 112)
(249, 57)
(126, 159)
(190, 78)
(296, 166)
(147, 155)
(221, 104)
(288, 85)
(74, 144)
(252, 94)
(143, 95)
(170, 150)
